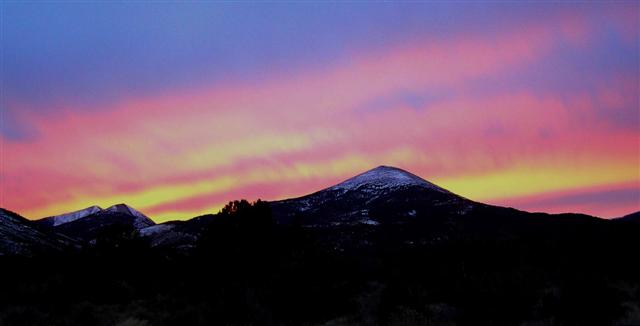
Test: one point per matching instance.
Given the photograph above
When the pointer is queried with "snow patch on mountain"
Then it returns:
(385, 177)
(370, 222)
(72, 216)
(156, 229)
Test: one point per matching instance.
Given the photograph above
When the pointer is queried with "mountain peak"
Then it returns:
(141, 219)
(126, 209)
(385, 177)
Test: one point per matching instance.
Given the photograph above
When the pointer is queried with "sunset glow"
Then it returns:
(536, 108)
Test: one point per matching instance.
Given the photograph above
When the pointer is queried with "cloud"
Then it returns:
(420, 105)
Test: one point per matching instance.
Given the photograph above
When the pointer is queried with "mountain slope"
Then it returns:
(18, 236)
(630, 218)
(178, 234)
(57, 220)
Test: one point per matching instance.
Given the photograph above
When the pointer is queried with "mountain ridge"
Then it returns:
(380, 177)
(375, 249)
(60, 219)
(382, 196)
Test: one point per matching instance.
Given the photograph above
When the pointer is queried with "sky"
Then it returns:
(175, 108)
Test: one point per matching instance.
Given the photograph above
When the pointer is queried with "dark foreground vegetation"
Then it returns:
(248, 270)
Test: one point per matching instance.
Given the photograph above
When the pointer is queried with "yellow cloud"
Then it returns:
(528, 180)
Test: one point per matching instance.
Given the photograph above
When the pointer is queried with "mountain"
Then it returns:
(383, 200)
(68, 217)
(381, 195)
(387, 206)
(19, 236)
(89, 227)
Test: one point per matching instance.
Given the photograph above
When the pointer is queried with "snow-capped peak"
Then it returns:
(72, 216)
(125, 209)
(141, 219)
(385, 177)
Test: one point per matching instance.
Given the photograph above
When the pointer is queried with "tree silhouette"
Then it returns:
(239, 232)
